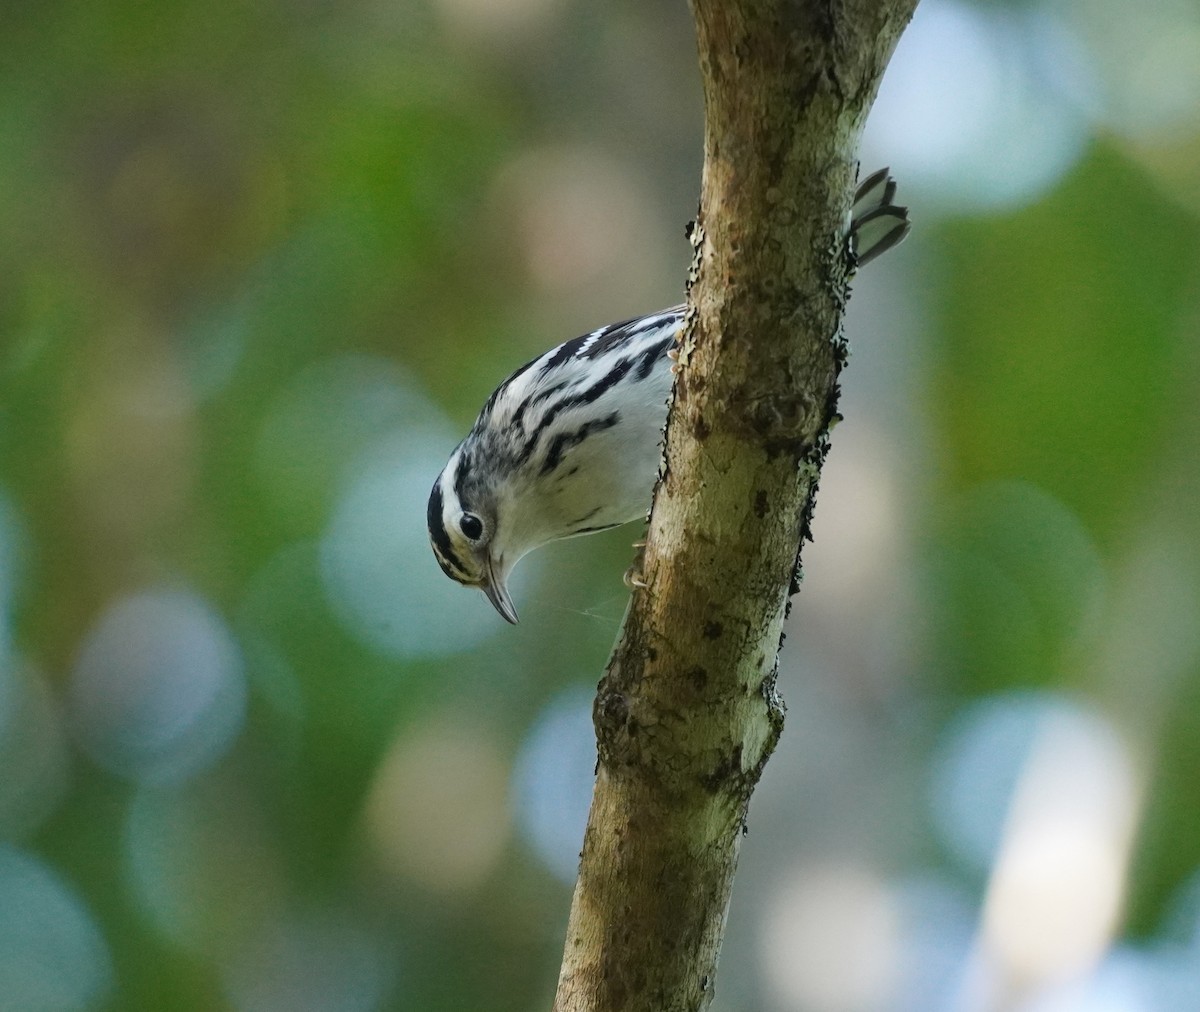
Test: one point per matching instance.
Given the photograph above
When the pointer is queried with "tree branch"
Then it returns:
(687, 714)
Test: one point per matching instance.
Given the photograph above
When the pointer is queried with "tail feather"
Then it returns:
(876, 224)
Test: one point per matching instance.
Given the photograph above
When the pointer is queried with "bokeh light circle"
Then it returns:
(378, 571)
(52, 955)
(552, 781)
(966, 113)
(158, 691)
(977, 766)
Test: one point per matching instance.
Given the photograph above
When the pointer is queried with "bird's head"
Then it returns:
(467, 535)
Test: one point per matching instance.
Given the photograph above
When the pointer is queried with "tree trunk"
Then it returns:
(687, 714)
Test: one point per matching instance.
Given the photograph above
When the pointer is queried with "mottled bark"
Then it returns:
(687, 714)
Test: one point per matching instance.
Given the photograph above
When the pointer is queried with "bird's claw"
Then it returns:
(633, 575)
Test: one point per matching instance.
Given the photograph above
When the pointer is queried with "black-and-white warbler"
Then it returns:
(570, 443)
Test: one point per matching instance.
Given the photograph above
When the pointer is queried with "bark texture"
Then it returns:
(687, 714)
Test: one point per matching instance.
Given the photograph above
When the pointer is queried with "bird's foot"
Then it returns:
(633, 575)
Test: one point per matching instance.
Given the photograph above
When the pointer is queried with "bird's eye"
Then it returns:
(471, 526)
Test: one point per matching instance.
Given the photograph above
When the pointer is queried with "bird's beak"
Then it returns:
(497, 592)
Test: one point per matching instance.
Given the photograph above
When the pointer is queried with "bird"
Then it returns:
(570, 443)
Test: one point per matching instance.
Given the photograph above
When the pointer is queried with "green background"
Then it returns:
(260, 263)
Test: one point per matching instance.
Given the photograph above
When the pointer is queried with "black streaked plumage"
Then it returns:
(569, 443)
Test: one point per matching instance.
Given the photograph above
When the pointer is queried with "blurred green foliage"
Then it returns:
(242, 243)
